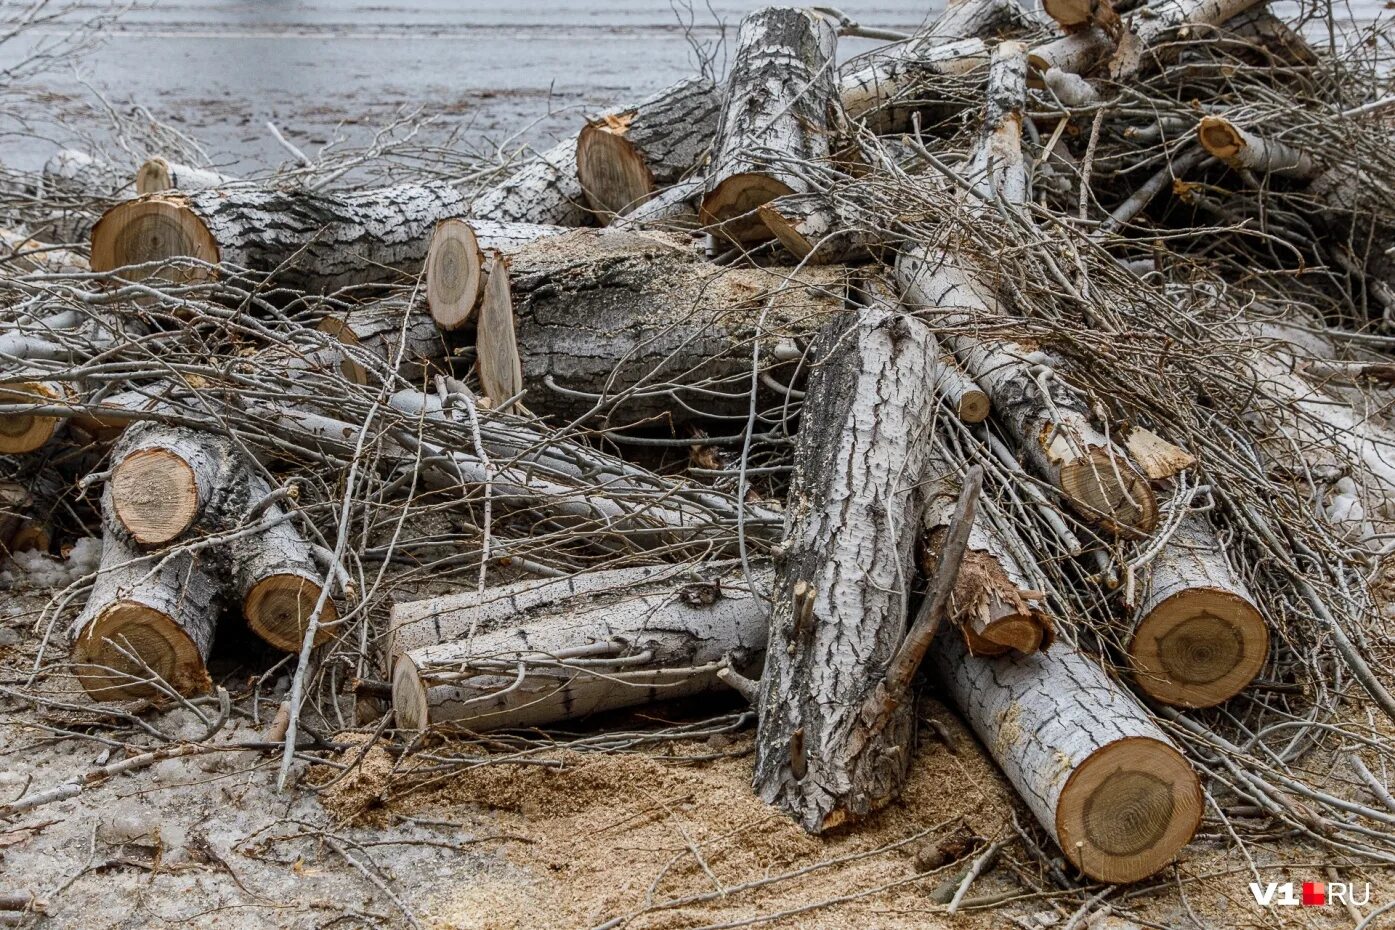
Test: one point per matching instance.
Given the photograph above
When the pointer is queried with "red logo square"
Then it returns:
(1314, 894)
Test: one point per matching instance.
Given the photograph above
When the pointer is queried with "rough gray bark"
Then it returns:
(623, 156)
(455, 260)
(842, 582)
(164, 479)
(383, 338)
(1100, 776)
(147, 616)
(313, 242)
(1149, 36)
(1199, 638)
(544, 191)
(776, 116)
(644, 637)
(635, 328)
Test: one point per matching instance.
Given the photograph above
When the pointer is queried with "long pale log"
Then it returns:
(624, 156)
(1199, 637)
(1098, 773)
(842, 583)
(775, 117)
(312, 242)
(996, 168)
(156, 174)
(645, 638)
(1077, 53)
(545, 191)
(147, 616)
(1152, 35)
(455, 263)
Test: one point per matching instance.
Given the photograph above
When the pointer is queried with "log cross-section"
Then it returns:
(842, 584)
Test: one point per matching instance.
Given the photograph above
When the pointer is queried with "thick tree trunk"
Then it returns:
(455, 263)
(165, 479)
(775, 117)
(647, 637)
(545, 191)
(148, 619)
(635, 328)
(386, 338)
(1163, 23)
(842, 582)
(624, 156)
(1199, 637)
(313, 242)
(1099, 775)
(157, 174)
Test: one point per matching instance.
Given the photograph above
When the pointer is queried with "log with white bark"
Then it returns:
(1077, 53)
(1199, 638)
(545, 191)
(1152, 34)
(312, 242)
(164, 479)
(886, 89)
(455, 263)
(156, 174)
(383, 338)
(776, 117)
(822, 228)
(635, 327)
(996, 168)
(1101, 777)
(71, 174)
(643, 637)
(623, 156)
(149, 619)
(1241, 148)
(842, 580)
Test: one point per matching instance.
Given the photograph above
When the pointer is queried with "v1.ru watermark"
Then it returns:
(1310, 894)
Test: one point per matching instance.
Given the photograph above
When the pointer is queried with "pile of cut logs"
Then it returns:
(1035, 357)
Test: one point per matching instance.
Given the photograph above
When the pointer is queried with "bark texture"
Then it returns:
(455, 260)
(384, 338)
(545, 191)
(312, 242)
(645, 637)
(623, 156)
(1097, 772)
(842, 583)
(776, 115)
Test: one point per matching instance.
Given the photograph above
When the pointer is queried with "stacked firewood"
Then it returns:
(1038, 359)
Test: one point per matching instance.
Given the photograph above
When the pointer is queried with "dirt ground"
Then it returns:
(666, 835)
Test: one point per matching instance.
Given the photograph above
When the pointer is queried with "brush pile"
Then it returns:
(1041, 359)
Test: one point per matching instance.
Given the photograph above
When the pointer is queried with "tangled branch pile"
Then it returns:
(1049, 356)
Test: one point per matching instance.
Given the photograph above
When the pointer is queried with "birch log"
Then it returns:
(1241, 148)
(149, 619)
(842, 583)
(649, 637)
(1099, 775)
(156, 174)
(624, 156)
(545, 191)
(1199, 637)
(775, 117)
(312, 242)
(455, 263)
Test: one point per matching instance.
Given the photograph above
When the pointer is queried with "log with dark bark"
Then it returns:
(842, 581)
(776, 116)
(1101, 777)
(624, 156)
(455, 263)
(562, 652)
(1199, 638)
(312, 242)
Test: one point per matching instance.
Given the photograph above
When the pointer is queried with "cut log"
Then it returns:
(164, 479)
(821, 229)
(276, 578)
(156, 174)
(1199, 638)
(1154, 31)
(635, 327)
(1074, 15)
(23, 432)
(775, 117)
(385, 338)
(147, 616)
(624, 156)
(842, 583)
(1241, 148)
(1097, 772)
(996, 168)
(648, 637)
(544, 191)
(1078, 53)
(455, 263)
(312, 242)
(496, 347)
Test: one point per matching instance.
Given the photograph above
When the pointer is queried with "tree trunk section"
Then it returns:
(842, 583)
(544, 191)
(312, 242)
(776, 112)
(496, 345)
(165, 478)
(650, 637)
(624, 156)
(386, 338)
(1199, 638)
(455, 263)
(1099, 775)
